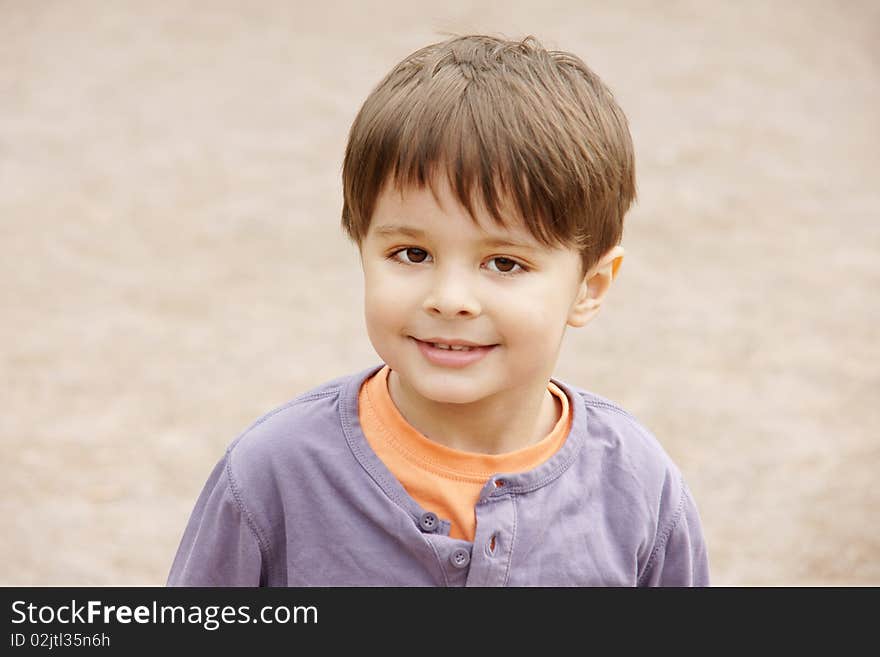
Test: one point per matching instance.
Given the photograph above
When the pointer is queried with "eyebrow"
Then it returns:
(395, 229)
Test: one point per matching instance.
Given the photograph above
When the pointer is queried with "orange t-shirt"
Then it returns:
(441, 479)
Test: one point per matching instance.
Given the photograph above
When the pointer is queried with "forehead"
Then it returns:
(423, 212)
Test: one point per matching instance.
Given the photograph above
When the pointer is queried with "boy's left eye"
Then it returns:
(506, 265)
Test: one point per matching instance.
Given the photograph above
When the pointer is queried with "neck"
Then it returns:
(502, 423)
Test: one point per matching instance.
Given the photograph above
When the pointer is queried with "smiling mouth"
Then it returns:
(449, 356)
(455, 347)
(447, 347)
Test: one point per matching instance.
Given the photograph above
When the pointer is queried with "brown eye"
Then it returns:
(415, 255)
(505, 265)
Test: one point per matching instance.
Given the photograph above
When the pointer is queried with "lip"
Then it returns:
(449, 358)
(456, 343)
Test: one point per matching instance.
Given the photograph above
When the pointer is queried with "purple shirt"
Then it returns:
(300, 499)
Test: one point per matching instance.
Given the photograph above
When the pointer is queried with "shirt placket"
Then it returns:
(493, 541)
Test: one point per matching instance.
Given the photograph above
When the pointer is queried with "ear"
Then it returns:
(594, 287)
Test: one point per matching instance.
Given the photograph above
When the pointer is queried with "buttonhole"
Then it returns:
(499, 483)
(492, 545)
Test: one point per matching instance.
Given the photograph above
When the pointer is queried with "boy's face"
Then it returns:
(450, 281)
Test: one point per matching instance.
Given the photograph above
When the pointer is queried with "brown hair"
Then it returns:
(513, 125)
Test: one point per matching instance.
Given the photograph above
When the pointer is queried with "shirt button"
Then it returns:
(429, 521)
(460, 558)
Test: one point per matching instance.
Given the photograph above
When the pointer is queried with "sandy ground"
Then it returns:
(172, 265)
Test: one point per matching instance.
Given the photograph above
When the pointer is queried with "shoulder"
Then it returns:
(623, 434)
(637, 477)
(287, 436)
(633, 461)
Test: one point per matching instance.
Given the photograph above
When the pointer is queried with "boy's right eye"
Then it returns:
(414, 256)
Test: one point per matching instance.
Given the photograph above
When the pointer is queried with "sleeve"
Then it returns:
(679, 557)
(220, 545)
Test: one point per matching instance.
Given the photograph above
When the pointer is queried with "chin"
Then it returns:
(442, 389)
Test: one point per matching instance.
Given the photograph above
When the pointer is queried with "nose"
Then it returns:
(452, 294)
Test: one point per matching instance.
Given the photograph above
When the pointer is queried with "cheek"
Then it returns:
(384, 298)
(535, 320)
(535, 325)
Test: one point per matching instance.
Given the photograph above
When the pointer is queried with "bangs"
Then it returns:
(461, 137)
(530, 136)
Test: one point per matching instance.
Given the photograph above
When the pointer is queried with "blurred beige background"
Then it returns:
(173, 267)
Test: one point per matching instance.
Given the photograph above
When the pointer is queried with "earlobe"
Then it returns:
(583, 312)
(594, 287)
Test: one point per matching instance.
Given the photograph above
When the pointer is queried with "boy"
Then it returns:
(485, 185)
